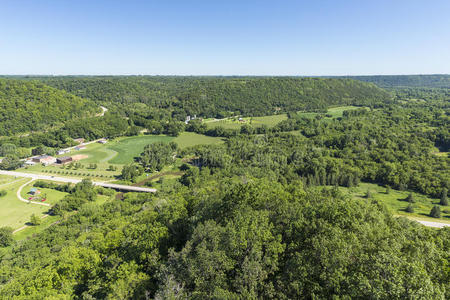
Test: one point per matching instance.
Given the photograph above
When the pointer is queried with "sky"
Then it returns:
(193, 37)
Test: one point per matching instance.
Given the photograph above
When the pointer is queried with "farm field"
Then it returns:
(396, 203)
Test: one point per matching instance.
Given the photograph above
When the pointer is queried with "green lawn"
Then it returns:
(234, 123)
(335, 112)
(189, 139)
(15, 213)
(130, 147)
(51, 195)
(396, 203)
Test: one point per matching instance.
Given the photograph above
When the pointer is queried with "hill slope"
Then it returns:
(212, 96)
(401, 81)
(29, 105)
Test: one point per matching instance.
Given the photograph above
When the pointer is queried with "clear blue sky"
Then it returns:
(225, 37)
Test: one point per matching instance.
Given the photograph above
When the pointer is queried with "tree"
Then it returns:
(131, 172)
(10, 163)
(388, 190)
(444, 200)
(6, 236)
(368, 194)
(157, 155)
(435, 212)
(410, 198)
(35, 220)
(409, 208)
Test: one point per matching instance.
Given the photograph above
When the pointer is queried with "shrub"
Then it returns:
(410, 198)
(435, 212)
(444, 200)
(6, 236)
(35, 220)
(409, 209)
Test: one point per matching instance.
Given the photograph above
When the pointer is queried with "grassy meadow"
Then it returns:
(16, 213)
(234, 123)
(395, 201)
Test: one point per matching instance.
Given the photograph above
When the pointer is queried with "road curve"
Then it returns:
(121, 187)
(19, 191)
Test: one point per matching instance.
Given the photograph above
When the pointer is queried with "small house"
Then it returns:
(102, 141)
(29, 163)
(44, 159)
(80, 147)
(64, 159)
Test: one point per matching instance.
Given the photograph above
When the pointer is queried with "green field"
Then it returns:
(15, 213)
(334, 112)
(130, 147)
(396, 203)
(234, 123)
(271, 121)
(189, 139)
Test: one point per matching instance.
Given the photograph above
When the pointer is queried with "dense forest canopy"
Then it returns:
(221, 96)
(401, 81)
(33, 106)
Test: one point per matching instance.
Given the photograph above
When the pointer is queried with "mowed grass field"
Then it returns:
(334, 112)
(13, 212)
(395, 201)
(189, 139)
(130, 147)
(234, 123)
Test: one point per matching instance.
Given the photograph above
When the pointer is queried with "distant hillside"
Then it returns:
(30, 105)
(215, 96)
(401, 81)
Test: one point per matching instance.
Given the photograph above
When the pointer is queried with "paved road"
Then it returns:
(433, 224)
(76, 180)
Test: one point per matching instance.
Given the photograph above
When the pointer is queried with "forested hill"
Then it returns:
(402, 81)
(31, 105)
(221, 96)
